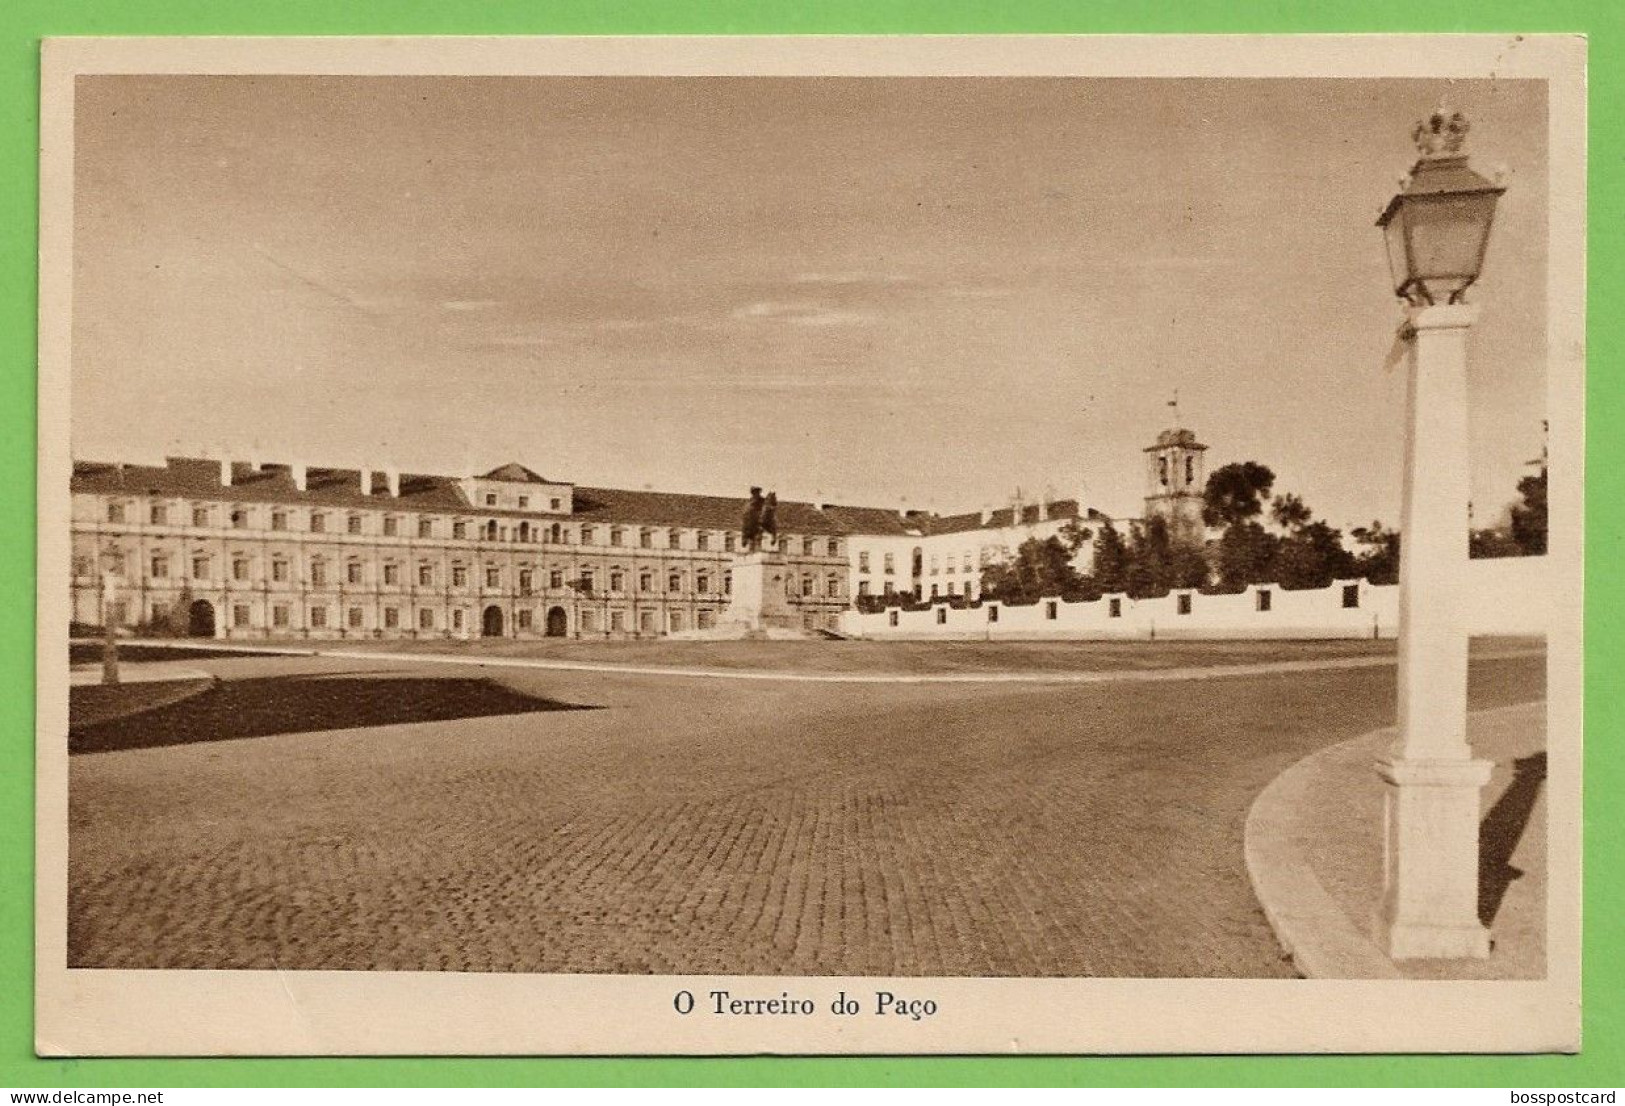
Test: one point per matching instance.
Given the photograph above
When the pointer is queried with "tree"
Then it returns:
(1491, 542)
(1378, 558)
(1157, 563)
(1039, 569)
(1529, 516)
(1312, 556)
(1236, 493)
(1290, 512)
(1244, 555)
(1111, 560)
(175, 620)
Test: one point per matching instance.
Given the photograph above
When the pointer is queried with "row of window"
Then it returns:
(936, 592)
(490, 530)
(523, 501)
(964, 563)
(320, 617)
(427, 575)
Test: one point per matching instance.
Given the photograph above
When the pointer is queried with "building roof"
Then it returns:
(716, 512)
(1004, 517)
(875, 520)
(515, 473)
(199, 479)
(1183, 438)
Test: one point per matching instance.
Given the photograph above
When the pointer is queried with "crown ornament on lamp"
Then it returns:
(1441, 135)
(1438, 225)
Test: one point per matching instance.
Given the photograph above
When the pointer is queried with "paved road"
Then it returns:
(697, 826)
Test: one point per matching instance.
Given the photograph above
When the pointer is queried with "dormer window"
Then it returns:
(490, 499)
(524, 503)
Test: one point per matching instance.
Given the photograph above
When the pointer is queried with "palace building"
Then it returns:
(252, 550)
(262, 550)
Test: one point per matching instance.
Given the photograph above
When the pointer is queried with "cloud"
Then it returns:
(513, 341)
(989, 292)
(851, 279)
(801, 313)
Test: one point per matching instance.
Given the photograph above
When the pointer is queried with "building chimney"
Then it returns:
(987, 514)
(366, 480)
(301, 475)
(393, 476)
(1043, 508)
(225, 472)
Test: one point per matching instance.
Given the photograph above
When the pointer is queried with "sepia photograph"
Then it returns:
(711, 535)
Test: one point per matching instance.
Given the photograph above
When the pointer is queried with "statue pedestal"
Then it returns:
(758, 600)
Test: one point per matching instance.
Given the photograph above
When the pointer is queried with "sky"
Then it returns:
(895, 292)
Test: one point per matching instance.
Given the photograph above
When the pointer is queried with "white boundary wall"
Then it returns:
(1506, 595)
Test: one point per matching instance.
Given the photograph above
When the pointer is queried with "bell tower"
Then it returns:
(1176, 474)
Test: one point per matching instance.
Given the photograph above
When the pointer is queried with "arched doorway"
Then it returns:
(493, 622)
(200, 619)
(558, 623)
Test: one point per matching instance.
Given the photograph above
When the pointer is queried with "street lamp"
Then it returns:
(1438, 226)
(1437, 229)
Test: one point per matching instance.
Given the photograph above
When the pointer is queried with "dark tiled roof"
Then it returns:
(954, 524)
(874, 520)
(199, 479)
(515, 473)
(195, 478)
(715, 512)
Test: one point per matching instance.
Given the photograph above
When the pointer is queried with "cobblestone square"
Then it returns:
(716, 826)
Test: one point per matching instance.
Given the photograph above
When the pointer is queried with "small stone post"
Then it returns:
(109, 630)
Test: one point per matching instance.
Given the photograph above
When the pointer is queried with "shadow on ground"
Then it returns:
(301, 704)
(1502, 829)
(90, 652)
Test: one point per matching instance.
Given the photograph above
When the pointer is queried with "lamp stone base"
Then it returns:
(1430, 858)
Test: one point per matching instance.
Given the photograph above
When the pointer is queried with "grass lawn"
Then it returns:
(888, 657)
(99, 704)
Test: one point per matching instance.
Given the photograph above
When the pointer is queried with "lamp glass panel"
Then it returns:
(1393, 233)
(1446, 235)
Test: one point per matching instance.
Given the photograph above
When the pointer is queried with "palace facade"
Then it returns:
(270, 550)
(251, 550)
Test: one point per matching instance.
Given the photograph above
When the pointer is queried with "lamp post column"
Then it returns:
(110, 672)
(1431, 805)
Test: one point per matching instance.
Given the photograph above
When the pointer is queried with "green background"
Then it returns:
(23, 22)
